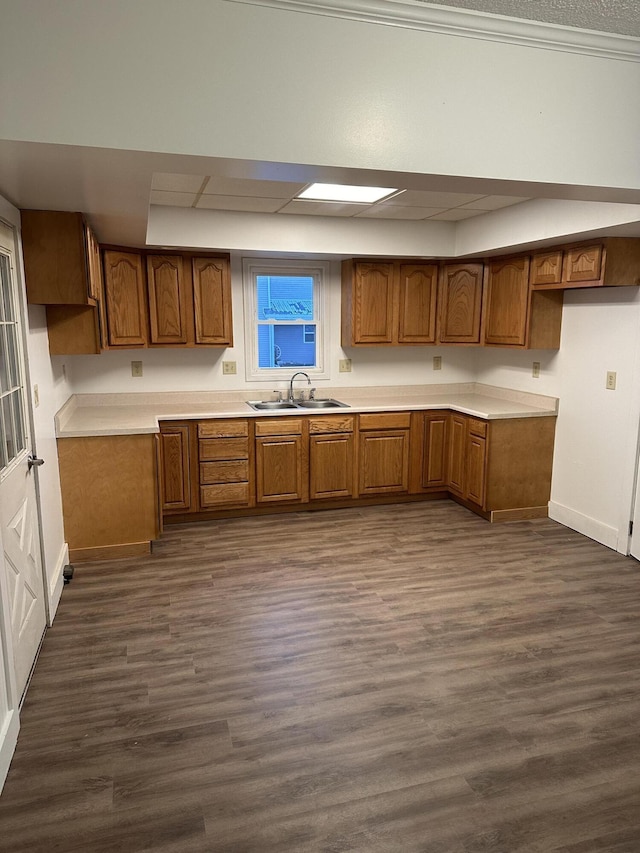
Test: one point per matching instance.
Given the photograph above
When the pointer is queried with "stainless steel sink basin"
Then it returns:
(322, 404)
(277, 405)
(272, 404)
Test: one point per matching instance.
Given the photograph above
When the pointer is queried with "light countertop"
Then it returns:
(131, 414)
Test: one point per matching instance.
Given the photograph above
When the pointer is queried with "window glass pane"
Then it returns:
(4, 366)
(6, 302)
(4, 461)
(284, 297)
(285, 345)
(18, 413)
(12, 348)
(9, 431)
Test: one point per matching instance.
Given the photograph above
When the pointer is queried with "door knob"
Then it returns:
(33, 460)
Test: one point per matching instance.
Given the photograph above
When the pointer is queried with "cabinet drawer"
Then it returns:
(223, 448)
(235, 471)
(279, 426)
(386, 420)
(331, 423)
(477, 427)
(225, 493)
(222, 428)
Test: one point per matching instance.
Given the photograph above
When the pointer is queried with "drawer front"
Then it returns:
(225, 493)
(222, 428)
(386, 420)
(236, 471)
(331, 423)
(279, 426)
(223, 448)
(478, 427)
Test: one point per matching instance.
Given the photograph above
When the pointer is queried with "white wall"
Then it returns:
(273, 86)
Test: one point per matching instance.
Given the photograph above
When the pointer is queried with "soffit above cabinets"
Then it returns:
(213, 192)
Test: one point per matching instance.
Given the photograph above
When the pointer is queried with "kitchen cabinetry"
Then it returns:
(460, 300)
(61, 258)
(514, 315)
(125, 299)
(388, 303)
(168, 304)
(226, 464)
(429, 451)
(384, 453)
(109, 495)
(212, 301)
(613, 261)
(175, 468)
(282, 460)
(332, 472)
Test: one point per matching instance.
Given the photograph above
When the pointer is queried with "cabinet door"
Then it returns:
(418, 294)
(373, 303)
(435, 450)
(212, 301)
(281, 469)
(457, 452)
(507, 302)
(384, 462)
(476, 469)
(331, 466)
(461, 303)
(168, 303)
(125, 299)
(94, 264)
(582, 263)
(546, 269)
(175, 480)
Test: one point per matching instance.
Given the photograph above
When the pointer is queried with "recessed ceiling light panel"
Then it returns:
(346, 193)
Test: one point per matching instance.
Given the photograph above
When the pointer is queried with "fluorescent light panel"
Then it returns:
(346, 193)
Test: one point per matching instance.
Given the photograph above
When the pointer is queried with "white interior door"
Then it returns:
(19, 526)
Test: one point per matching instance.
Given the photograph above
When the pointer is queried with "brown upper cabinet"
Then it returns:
(516, 316)
(388, 302)
(610, 262)
(182, 300)
(460, 303)
(61, 258)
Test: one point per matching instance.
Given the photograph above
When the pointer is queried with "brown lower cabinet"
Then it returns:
(499, 468)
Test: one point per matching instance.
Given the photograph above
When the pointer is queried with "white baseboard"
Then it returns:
(8, 741)
(56, 584)
(591, 527)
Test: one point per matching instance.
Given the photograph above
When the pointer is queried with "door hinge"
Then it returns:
(630, 528)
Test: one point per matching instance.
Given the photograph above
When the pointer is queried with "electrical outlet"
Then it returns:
(36, 396)
(437, 362)
(611, 380)
(345, 365)
(229, 367)
(136, 368)
(536, 370)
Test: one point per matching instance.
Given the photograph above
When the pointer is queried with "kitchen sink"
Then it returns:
(271, 404)
(322, 404)
(276, 405)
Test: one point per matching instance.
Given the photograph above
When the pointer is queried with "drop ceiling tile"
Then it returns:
(396, 211)
(457, 213)
(230, 202)
(256, 189)
(176, 183)
(493, 202)
(172, 199)
(419, 198)
(323, 208)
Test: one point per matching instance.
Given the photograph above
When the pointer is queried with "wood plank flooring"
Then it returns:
(393, 678)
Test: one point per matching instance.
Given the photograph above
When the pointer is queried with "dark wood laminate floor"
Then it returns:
(399, 678)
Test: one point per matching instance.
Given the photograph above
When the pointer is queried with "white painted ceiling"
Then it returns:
(214, 192)
(609, 16)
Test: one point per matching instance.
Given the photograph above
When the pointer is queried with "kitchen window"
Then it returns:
(285, 317)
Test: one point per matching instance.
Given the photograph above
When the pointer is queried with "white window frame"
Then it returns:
(320, 270)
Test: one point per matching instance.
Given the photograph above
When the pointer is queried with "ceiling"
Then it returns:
(214, 192)
(608, 16)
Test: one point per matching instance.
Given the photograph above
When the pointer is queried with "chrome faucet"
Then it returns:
(299, 373)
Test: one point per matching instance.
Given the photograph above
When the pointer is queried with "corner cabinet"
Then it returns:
(388, 303)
